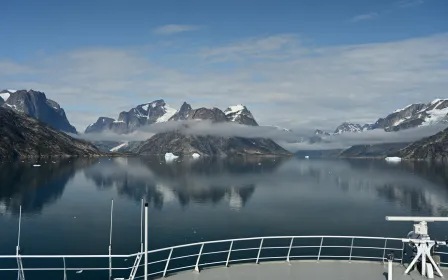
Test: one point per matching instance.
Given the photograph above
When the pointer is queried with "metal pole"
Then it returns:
(228, 256)
(351, 249)
(65, 273)
(167, 262)
(320, 248)
(110, 239)
(389, 270)
(259, 250)
(289, 251)
(146, 241)
(384, 252)
(196, 268)
(20, 221)
(141, 226)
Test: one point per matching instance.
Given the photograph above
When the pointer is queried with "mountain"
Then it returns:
(240, 114)
(352, 127)
(23, 136)
(415, 115)
(372, 151)
(36, 105)
(143, 114)
(183, 113)
(321, 133)
(181, 144)
(411, 116)
(434, 148)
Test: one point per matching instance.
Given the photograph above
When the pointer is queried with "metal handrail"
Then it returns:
(167, 262)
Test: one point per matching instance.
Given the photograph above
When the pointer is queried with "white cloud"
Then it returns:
(174, 28)
(282, 79)
(362, 17)
(409, 3)
(377, 136)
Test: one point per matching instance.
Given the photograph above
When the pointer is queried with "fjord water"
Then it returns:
(66, 203)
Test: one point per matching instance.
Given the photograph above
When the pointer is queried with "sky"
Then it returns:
(297, 64)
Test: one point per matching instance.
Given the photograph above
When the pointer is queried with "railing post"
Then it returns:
(196, 268)
(320, 248)
(384, 252)
(289, 251)
(110, 240)
(167, 262)
(351, 249)
(259, 250)
(230, 251)
(146, 241)
(65, 272)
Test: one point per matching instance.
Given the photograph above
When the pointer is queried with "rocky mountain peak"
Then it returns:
(35, 104)
(321, 133)
(183, 113)
(348, 127)
(214, 114)
(240, 114)
(141, 115)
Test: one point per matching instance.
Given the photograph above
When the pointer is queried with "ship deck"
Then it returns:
(310, 270)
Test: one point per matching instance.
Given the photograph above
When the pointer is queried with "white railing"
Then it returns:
(195, 256)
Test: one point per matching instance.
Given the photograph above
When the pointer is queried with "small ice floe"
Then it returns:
(195, 155)
(393, 159)
(170, 157)
(36, 165)
(79, 271)
(125, 260)
(307, 157)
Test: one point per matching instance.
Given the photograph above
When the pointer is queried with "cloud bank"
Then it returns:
(288, 139)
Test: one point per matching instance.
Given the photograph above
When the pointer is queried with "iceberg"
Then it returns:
(195, 155)
(393, 159)
(170, 157)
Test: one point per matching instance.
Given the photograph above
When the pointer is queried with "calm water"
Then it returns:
(66, 204)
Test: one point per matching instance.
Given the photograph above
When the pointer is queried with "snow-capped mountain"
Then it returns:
(240, 114)
(144, 114)
(36, 105)
(413, 115)
(352, 127)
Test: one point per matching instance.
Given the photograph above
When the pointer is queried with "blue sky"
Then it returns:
(101, 57)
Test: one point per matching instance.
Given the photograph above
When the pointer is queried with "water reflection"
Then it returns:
(208, 180)
(419, 187)
(35, 187)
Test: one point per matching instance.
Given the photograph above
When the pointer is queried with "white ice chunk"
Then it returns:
(170, 157)
(393, 159)
(195, 155)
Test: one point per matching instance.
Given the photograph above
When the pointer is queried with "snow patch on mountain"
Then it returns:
(402, 109)
(115, 149)
(169, 112)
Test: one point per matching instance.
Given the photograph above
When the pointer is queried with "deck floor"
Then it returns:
(309, 270)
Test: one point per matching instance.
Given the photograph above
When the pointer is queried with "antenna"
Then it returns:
(420, 240)
(420, 228)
